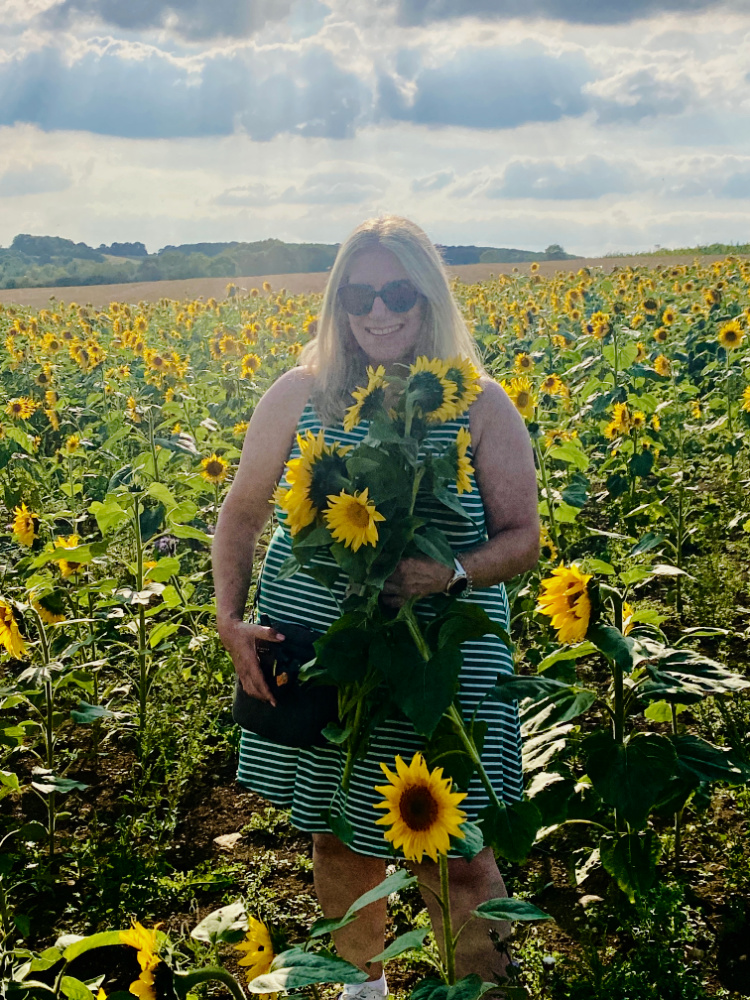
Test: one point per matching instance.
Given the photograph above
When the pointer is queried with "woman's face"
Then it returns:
(383, 335)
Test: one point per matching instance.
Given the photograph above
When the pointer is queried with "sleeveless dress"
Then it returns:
(307, 779)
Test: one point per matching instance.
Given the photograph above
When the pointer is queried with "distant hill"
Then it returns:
(51, 261)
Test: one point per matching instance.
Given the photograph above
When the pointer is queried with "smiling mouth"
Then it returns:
(382, 331)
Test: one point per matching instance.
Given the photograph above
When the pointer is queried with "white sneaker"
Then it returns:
(364, 991)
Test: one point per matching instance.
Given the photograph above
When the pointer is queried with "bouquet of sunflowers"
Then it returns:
(353, 513)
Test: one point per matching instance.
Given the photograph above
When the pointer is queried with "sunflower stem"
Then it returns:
(185, 981)
(406, 614)
(455, 716)
(351, 747)
(450, 943)
(548, 497)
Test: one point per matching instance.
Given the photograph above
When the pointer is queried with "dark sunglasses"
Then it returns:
(358, 300)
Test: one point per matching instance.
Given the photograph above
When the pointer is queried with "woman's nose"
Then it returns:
(379, 308)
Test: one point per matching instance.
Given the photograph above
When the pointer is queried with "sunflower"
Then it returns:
(67, 568)
(655, 423)
(352, 519)
(318, 471)
(462, 373)
(25, 525)
(73, 444)
(668, 316)
(144, 941)
(712, 296)
(523, 364)
(650, 307)
(731, 335)
(250, 365)
(662, 366)
(20, 408)
(214, 469)
(464, 468)
(746, 399)
(368, 400)
(434, 395)
(661, 334)
(10, 637)
(239, 428)
(423, 812)
(640, 352)
(638, 420)
(522, 393)
(600, 325)
(258, 949)
(553, 385)
(627, 618)
(44, 377)
(564, 598)
(546, 545)
(48, 606)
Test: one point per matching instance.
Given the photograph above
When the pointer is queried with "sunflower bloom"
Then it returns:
(258, 949)
(367, 400)
(731, 335)
(462, 373)
(20, 408)
(522, 393)
(352, 519)
(464, 468)
(25, 525)
(423, 812)
(317, 472)
(662, 366)
(546, 545)
(523, 364)
(67, 568)
(564, 598)
(214, 469)
(432, 391)
(10, 637)
(250, 365)
(640, 352)
(144, 941)
(746, 399)
(553, 385)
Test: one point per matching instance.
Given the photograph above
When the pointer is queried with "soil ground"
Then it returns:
(152, 291)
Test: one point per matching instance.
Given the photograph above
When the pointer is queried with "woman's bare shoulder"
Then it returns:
(491, 404)
(296, 384)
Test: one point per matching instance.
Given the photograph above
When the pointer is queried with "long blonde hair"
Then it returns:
(334, 356)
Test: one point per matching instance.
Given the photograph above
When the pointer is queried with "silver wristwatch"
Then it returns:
(459, 584)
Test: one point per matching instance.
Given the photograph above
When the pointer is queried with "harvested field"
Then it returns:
(295, 284)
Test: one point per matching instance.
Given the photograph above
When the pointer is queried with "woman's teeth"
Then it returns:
(382, 331)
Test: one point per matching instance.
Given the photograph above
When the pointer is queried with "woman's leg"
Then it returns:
(341, 876)
(471, 883)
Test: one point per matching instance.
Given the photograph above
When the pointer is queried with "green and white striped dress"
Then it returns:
(306, 780)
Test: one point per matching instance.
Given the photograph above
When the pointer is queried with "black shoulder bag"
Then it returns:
(303, 709)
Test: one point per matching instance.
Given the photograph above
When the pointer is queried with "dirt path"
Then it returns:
(190, 288)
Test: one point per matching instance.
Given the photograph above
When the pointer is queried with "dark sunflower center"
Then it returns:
(214, 468)
(372, 402)
(522, 398)
(427, 391)
(418, 808)
(358, 515)
(328, 478)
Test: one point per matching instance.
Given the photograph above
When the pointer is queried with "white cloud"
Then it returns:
(41, 178)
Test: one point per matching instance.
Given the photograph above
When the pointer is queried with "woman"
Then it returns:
(501, 541)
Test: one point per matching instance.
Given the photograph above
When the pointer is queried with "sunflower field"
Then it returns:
(131, 863)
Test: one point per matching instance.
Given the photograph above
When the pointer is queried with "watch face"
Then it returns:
(458, 587)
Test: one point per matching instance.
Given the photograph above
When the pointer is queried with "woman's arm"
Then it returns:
(243, 515)
(506, 478)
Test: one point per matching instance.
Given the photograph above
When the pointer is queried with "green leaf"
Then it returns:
(225, 924)
(556, 709)
(571, 454)
(434, 544)
(85, 714)
(102, 940)
(468, 988)
(46, 782)
(509, 909)
(511, 829)
(409, 941)
(295, 968)
(162, 493)
(630, 776)
(566, 653)
(706, 761)
(575, 493)
(621, 648)
(550, 792)
(649, 541)
(162, 631)
(188, 531)
(471, 843)
(165, 569)
(109, 515)
(642, 463)
(631, 860)
(74, 989)
(661, 711)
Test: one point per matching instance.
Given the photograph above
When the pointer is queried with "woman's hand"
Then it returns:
(415, 578)
(239, 640)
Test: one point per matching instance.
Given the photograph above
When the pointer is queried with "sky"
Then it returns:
(598, 125)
